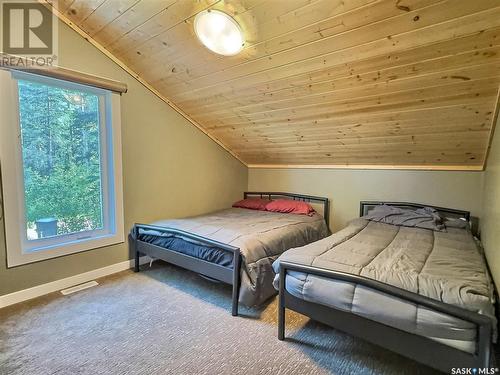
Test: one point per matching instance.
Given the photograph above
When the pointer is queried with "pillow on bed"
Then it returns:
(457, 223)
(426, 217)
(287, 206)
(252, 204)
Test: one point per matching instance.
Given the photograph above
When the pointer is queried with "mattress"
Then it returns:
(261, 237)
(208, 253)
(444, 265)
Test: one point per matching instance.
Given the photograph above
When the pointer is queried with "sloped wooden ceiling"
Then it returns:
(390, 83)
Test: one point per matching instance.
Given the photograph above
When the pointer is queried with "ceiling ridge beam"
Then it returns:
(136, 76)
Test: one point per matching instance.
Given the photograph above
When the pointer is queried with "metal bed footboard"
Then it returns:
(228, 275)
(419, 348)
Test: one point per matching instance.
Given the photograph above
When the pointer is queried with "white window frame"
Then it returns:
(21, 251)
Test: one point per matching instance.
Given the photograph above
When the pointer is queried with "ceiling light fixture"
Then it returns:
(219, 32)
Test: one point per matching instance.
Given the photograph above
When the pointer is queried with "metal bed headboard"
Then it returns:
(366, 206)
(299, 197)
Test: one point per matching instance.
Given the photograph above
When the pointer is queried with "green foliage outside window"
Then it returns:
(61, 156)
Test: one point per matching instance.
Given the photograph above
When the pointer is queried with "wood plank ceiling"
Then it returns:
(373, 83)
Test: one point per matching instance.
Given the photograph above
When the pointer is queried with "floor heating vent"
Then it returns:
(79, 287)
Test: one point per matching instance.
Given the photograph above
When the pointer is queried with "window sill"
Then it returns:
(19, 258)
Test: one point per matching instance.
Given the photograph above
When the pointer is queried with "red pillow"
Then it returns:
(252, 204)
(289, 206)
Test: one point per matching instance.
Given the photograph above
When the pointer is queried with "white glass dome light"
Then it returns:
(219, 32)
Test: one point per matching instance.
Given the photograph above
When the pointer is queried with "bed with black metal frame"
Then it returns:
(419, 348)
(229, 275)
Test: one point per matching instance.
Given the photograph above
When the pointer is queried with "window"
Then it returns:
(60, 151)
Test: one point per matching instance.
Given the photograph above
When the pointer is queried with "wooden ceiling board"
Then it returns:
(290, 61)
(477, 45)
(139, 13)
(467, 67)
(81, 9)
(410, 84)
(470, 116)
(391, 76)
(358, 130)
(431, 97)
(288, 42)
(155, 53)
(194, 64)
(171, 16)
(352, 88)
(106, 13)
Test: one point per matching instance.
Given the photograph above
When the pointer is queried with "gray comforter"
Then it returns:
(444, 265)
(261, 236)
(425, 217)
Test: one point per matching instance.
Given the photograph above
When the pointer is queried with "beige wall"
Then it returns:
(170, 169)
(490, 220)
(346, 188)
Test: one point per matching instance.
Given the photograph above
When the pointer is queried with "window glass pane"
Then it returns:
(61, 160)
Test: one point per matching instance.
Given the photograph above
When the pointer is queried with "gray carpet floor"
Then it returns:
(165, 320)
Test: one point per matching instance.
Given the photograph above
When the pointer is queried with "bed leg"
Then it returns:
(136, 261)
(132, 243)
(484, 344)
(281, 304)
(236, 282)
(234, 309)
(281, 323)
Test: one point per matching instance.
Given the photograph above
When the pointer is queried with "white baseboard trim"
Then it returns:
(54, 286)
